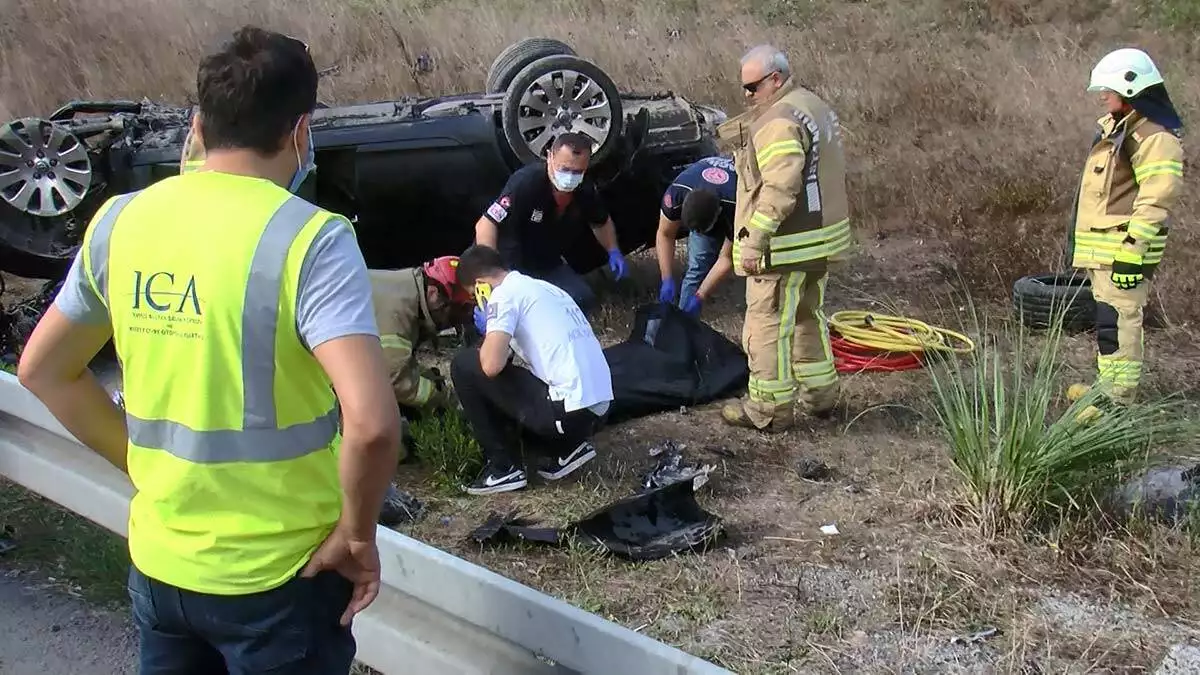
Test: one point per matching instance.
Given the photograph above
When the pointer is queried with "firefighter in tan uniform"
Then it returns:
(1127, 197)
(791, 221)
(411, 306)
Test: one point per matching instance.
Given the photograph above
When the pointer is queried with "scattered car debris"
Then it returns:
(510, 528)
(975, 638)
(18, 319)
(645, 526)
(399, 507)
(1165, 493)
(671, 469)
(813, 470)
(653, 524)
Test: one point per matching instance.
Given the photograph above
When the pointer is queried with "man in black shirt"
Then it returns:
(701, 200)
(539, 212)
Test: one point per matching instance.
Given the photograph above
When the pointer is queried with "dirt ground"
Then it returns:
(902, 579)
(46, 630)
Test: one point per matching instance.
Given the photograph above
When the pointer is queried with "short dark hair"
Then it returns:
(699, 210)
(580, 144)
(254, 89)
(478, 261)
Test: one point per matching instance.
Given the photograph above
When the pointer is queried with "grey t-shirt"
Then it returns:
(333, 299)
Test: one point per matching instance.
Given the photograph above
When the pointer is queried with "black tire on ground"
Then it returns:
(512, 106)
(1041, 298)
(519, 54)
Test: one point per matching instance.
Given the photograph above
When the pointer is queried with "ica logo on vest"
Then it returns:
(158, 291)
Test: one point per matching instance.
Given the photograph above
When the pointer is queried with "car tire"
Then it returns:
(1039, 299)
(522, 88)
(516, 56)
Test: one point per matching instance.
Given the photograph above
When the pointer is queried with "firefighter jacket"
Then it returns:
(1129, 189)
(791, 209)
(402, 314)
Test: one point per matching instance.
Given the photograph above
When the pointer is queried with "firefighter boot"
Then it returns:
(819, 401)
(1074, 393)
(760, 416)
(1077, 391)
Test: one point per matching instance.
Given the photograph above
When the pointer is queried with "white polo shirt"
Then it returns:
(552, 335)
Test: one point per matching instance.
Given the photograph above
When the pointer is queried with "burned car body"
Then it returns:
(414, 175)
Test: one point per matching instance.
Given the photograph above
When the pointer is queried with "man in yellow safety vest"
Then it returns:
(237, 309)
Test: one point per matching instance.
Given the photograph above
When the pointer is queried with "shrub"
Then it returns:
(1019, 461)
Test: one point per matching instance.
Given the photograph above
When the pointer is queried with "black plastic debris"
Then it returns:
(399, 507)
(645, 526)
(813, 469)
(671, 468)
(653, 524)
(510, 528)
(1164, 493)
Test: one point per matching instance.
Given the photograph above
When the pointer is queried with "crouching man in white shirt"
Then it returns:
(556, 405)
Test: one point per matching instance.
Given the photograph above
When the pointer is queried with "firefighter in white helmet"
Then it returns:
(1127, 198)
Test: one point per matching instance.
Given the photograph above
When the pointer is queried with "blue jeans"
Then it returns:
(569, 280)
(702, 255)
(290, 630)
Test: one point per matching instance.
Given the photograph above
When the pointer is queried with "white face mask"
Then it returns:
(567, 180)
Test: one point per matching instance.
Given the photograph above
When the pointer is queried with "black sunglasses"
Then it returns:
(753, 86)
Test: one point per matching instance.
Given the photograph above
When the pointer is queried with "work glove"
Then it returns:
(480, 320)
(692, 305)
(616, 263)
(1127, 270)
(666, 292)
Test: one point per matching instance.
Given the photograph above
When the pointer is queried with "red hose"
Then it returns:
(849, 357)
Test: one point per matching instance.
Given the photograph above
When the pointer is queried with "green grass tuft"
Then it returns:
(445, 445)
(1026, 460)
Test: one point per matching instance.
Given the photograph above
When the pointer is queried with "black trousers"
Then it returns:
(514, 410)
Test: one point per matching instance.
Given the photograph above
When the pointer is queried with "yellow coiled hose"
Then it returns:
(881, 342)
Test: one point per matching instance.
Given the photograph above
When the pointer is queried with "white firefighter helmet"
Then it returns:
(1125, 71)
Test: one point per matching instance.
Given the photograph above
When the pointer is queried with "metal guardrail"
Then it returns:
(435, 613)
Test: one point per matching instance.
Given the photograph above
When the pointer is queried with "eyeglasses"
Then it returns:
(752, 87)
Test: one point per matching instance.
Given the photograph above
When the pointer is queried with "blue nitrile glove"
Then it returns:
(480, 320)
(692, 305)
(666, 292)
(616, 263)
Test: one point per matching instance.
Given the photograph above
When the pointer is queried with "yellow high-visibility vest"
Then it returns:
(233, 425)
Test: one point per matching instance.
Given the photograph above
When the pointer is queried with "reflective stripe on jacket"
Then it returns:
(792, 206)
(233, 425)
(1130, 185)
(404, 322)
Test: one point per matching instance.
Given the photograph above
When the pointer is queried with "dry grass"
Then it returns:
(966, 119)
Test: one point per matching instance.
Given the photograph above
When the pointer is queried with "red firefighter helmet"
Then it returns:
(443, 271)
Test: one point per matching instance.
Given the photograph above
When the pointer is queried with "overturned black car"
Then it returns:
(413, 174)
